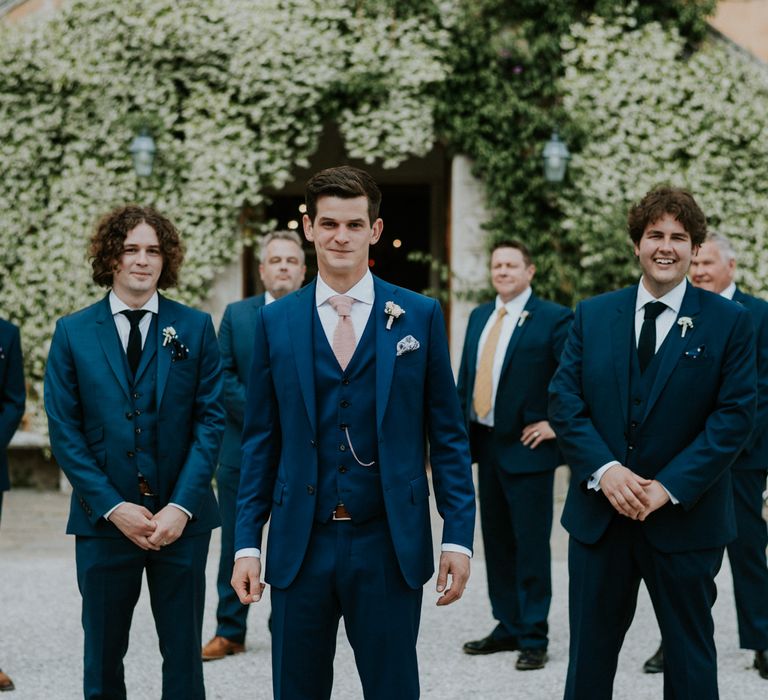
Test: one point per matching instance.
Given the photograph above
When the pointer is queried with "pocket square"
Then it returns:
(696, 353)
(407, 344)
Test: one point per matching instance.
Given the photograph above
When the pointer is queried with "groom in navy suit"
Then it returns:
(282, 271)
(132, 392)
(654, 397)
(512, 349)
(350, 377)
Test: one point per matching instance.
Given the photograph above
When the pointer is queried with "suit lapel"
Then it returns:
(300, 320)
(622, 333)
(165, 318)
(518, 333)
(110, 344)
(674, 344)
(386, 344)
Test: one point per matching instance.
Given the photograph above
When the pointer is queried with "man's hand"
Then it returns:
(625, 491)
(246, 579)
(170, 522)
(535, 433)
(456, 565)
(136, 523)
(657, 497)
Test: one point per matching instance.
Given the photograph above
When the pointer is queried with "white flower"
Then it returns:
(685, 322)
(169, 334)
(524, 316)
(393, 311)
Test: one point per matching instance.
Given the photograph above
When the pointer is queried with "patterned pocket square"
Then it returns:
(407, 344)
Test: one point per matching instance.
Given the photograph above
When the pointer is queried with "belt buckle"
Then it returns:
(341, 513)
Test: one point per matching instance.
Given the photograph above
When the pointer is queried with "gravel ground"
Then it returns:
(41, 638)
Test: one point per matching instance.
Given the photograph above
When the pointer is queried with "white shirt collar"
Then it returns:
(362, 291)
(515, 305)
(673, 298)
(729, 291)
(268, 298)
(116, 304)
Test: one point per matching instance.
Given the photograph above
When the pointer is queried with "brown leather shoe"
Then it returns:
(219, 647)
(5, 682)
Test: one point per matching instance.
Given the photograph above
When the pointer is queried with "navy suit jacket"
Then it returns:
(87, 396)
(12, 392)
(415, 399)
(755, 453)
(698, 415)
(236, 339)
(530, 361)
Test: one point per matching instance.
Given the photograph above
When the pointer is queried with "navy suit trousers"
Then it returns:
(109, 573)
(603, 585)
(352, 571)
(747, 557)
(516, 519)
(231, 614)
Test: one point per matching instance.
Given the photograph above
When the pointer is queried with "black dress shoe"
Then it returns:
(656, 663)
(531, 659)
(761, 663)
(489, 645)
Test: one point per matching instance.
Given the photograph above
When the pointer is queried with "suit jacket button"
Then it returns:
(137, 431)
(344, 404)
(631, 447)
(313, 443)
(136, 395)
(342, 447)
(342, 469)
(129, 454)
(310, 489)
(128, 415)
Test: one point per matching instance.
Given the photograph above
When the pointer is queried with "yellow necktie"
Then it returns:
(484, 377)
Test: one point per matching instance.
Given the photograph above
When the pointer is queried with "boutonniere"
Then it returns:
(524, 316)
(179, 351)
(685, 322)
(393, 311)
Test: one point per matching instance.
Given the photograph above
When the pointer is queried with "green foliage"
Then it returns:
(502, 101)
(236, 93)
(654, 115)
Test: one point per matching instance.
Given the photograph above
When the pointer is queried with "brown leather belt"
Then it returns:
(341, 513)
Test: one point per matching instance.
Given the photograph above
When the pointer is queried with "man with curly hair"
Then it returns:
(132, 392)
(653, 399)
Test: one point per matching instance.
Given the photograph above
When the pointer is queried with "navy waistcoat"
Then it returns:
(346, 404)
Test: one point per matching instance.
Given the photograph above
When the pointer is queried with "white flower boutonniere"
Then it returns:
(393, 311)
(685, 322)
(179, 351)
(169, 333)
(524, 316)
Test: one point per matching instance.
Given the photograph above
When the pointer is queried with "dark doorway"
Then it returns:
(407, 213)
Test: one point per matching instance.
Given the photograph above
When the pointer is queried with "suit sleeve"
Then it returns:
(234, 389)
(702, 462)
(261, 446)
(12, 392)
(448, 444)
(582, 446)
(194, 480)
(65, 428)
(760, 426)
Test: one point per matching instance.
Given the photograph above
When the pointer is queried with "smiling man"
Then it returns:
(350, 381)
(653, 399)
(132, 392)
(511, 351)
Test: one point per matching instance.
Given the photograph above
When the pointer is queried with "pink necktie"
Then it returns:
(344, 334)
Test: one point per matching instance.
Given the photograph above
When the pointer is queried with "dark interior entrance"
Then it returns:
(407, 214)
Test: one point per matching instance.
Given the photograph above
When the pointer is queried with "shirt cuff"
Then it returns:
(248, 552)
(672, 499)
(594, 480)
(112, 510)
(448, 547)
(182, 509)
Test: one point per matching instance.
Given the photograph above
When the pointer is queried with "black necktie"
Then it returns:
(646, 346)
(134, 339)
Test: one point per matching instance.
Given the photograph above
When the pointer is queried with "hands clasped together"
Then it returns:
(146, 530)
(630, 494)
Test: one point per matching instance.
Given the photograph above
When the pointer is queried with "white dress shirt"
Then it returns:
(664, 322)
(729, 291)
(363, 295)
(508, 324)
(123, 325)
